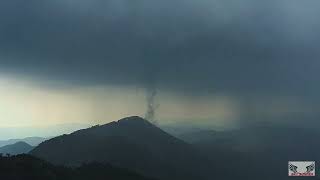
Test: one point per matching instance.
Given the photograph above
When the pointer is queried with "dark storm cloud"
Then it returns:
(182, 45)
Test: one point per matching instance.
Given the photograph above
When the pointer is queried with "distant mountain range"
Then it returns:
(38, 131)
(293, 141)
(17, 148)
(251, 152)
(33, 141)
(131, 143)
(257, 152)
(25, 167)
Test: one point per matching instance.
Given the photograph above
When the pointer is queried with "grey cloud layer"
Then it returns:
(265, 47)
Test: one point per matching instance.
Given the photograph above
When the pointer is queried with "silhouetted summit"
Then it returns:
(132, 143)
(17, 148)
(33, 141)
(134, 120)
(130, 125)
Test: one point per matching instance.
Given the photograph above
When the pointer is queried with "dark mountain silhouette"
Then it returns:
(17, 148)
(33, 141)
(132, 143)
(26, 167)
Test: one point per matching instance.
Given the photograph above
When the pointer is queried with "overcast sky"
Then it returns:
(250, 57)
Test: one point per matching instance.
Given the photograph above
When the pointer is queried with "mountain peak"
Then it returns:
(16, 148)
(21, 143)
(133, 120)
(131, 142)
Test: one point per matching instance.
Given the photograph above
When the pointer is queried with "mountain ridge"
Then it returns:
(132, 143)
(33, 141)
(16, 148)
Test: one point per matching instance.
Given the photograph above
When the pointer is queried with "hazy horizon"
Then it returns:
(230, 63)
